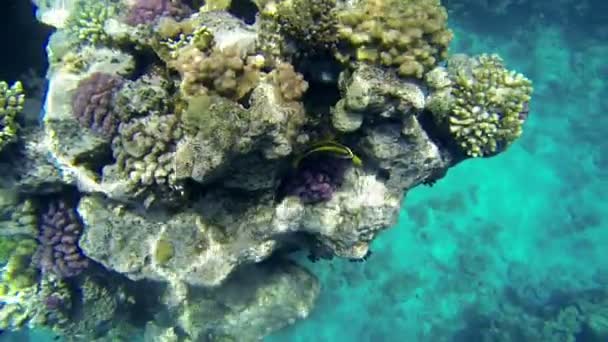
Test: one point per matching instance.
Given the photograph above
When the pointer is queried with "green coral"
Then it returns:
(11, 103)
(87, 22)
(488, 100)
(408, 35)
(18, 272)
(312, 23)
(174, 36)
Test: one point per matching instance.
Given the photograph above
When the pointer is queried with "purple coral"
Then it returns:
(58, 252)
(317, 179)
(92, 103)
(146, 11)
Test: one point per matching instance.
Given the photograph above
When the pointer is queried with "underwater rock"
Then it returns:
(256, 300)
(202, 252)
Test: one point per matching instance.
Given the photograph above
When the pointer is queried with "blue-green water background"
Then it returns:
(531, 221)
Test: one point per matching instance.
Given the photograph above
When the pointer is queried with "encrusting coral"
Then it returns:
(484, 106)
(409, 35)
(11, 104)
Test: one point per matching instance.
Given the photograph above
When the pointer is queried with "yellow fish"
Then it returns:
(333, 148)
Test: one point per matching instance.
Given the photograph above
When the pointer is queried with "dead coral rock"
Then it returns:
(204, 254)
(256, 301)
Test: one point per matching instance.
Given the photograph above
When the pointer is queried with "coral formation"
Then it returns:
(311, 24)
(485, 105)
(291, 84)
(88, 20)
(226, 72)
(147, 11)
(143, 150)
(212, 171)
(59, 253)
(410, 36)
(317, 178)
(93, 103)
(11, 103)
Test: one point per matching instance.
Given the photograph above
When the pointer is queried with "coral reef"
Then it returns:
(198, 169)
(59, 253)
(93, 103)
(11, 103)
(290, 83)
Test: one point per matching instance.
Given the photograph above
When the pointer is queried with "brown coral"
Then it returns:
(226, 72)
(291, 84)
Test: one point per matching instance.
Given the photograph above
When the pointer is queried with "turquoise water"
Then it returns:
(531, 221)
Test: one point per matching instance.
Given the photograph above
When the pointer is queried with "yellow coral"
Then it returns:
(11, 103)
(488, 101)
(408, 35)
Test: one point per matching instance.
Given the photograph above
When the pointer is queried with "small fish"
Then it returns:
(331, 147)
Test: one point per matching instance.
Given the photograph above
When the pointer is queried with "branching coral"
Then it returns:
(87, 21)
(409, 35)
(226, 71)
(59, 253)
(144, 149)
(93, 102)
(487, 106)
(11, 103)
